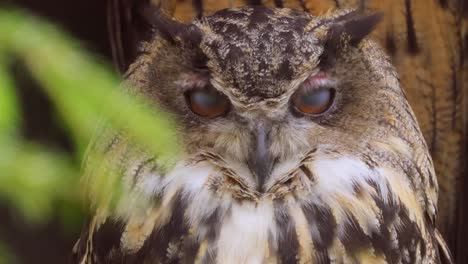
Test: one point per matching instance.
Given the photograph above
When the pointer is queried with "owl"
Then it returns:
(426, 41)
(299, 146)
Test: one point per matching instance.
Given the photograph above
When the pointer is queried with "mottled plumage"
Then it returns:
(355, 184)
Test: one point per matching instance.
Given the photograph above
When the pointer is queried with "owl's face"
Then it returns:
(299, 145)
(262, 89)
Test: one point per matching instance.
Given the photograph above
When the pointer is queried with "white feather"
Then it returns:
(244, 234)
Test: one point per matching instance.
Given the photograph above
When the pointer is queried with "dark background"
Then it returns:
(51, 242)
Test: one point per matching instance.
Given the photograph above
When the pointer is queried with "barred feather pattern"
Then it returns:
(328, 208)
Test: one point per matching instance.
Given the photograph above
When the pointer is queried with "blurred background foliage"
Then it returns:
(40, 182)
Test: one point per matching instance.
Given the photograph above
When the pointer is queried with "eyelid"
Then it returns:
(193, 81)
(315, 83)
(320, 79)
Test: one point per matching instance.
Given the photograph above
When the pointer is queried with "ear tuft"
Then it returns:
(347, 30)
(170, 29)
(352, 28)
(357, 28)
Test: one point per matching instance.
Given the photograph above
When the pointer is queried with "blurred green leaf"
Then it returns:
(5, 255)
(38, 181)
(8, 103)
(86, 94)
(32, 178)
(81, 87)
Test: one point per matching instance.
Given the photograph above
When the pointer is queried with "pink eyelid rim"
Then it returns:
(319, 79)
(191, 81)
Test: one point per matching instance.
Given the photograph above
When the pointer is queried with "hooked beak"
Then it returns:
(260, 160)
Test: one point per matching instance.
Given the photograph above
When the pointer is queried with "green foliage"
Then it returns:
(79, 85)
(8, 104)
(5, 255)
(33, 178)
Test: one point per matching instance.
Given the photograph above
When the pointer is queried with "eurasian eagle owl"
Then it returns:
(298, 147)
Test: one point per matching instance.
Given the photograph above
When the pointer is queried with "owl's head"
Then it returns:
(264, 90)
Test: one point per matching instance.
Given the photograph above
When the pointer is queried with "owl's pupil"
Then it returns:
(207, 103)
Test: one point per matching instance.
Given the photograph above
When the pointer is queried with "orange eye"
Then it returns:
(312, 101)
(207, 102)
